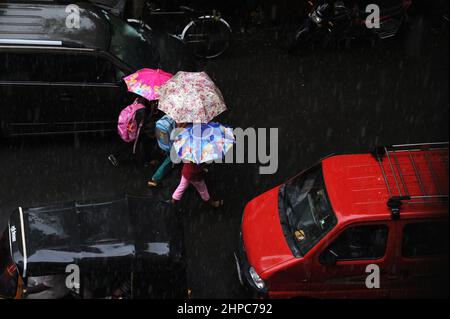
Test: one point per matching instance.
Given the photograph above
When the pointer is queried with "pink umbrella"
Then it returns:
(191, 97)
(146, 82)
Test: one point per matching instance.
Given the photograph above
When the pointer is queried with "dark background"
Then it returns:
(323, 101)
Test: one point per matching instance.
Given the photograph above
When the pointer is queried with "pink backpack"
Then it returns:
(127, 126)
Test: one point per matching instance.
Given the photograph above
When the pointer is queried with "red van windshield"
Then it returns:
(305, 211)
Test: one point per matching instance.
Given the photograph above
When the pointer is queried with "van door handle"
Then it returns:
(392, 277)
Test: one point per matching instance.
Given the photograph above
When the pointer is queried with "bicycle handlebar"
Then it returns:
(187, 8)
(159, 11)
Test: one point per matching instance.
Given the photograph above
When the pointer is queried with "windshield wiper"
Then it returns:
(283, 209)
(284, 221)
(313, 211)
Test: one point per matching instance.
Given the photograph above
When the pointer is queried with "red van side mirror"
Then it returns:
(328, 258)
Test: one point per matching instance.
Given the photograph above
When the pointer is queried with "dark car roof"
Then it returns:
(45, 239)
(47, 22)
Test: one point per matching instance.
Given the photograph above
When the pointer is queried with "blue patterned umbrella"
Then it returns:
(200, 143)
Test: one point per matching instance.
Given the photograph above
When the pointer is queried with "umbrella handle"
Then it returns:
(137, 136)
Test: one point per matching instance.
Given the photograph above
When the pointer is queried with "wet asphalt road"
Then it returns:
(322, 102)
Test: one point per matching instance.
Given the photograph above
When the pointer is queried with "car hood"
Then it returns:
(263, 237)
(44, 240)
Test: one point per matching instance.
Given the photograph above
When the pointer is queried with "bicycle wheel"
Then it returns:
(208, 36)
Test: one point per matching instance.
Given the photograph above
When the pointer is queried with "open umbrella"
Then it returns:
(191, 97)
(200, 143)
(146, 82)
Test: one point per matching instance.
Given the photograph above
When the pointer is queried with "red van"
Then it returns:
(371, 225)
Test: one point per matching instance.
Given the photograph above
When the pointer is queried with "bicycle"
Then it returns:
(209, 35)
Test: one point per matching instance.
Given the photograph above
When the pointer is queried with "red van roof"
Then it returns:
(413, 176)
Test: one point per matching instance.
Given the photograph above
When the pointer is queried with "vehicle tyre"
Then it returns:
(208, 36)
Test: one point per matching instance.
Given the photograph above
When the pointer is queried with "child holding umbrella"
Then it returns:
(197, 144)
(194, 174)
(192, 97)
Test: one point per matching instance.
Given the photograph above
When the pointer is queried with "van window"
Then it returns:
(83, 69)
(361, 242)
(425, 239)
(56, 67)
(129, 45)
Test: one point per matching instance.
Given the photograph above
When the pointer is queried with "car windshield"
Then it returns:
(129, 45)
(305, 211)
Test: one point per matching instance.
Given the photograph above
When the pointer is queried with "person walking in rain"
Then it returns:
(146, 118)
(194, 160)
(192, 100)
(194, 174)
(145, 83)
(164, 128)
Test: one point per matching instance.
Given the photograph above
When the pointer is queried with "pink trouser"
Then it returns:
(200, 186)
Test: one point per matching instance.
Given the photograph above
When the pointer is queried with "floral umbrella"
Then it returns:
(191, 97)
(200, 143)
(146, 82)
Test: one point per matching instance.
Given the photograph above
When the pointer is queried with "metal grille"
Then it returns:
(414, 173)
